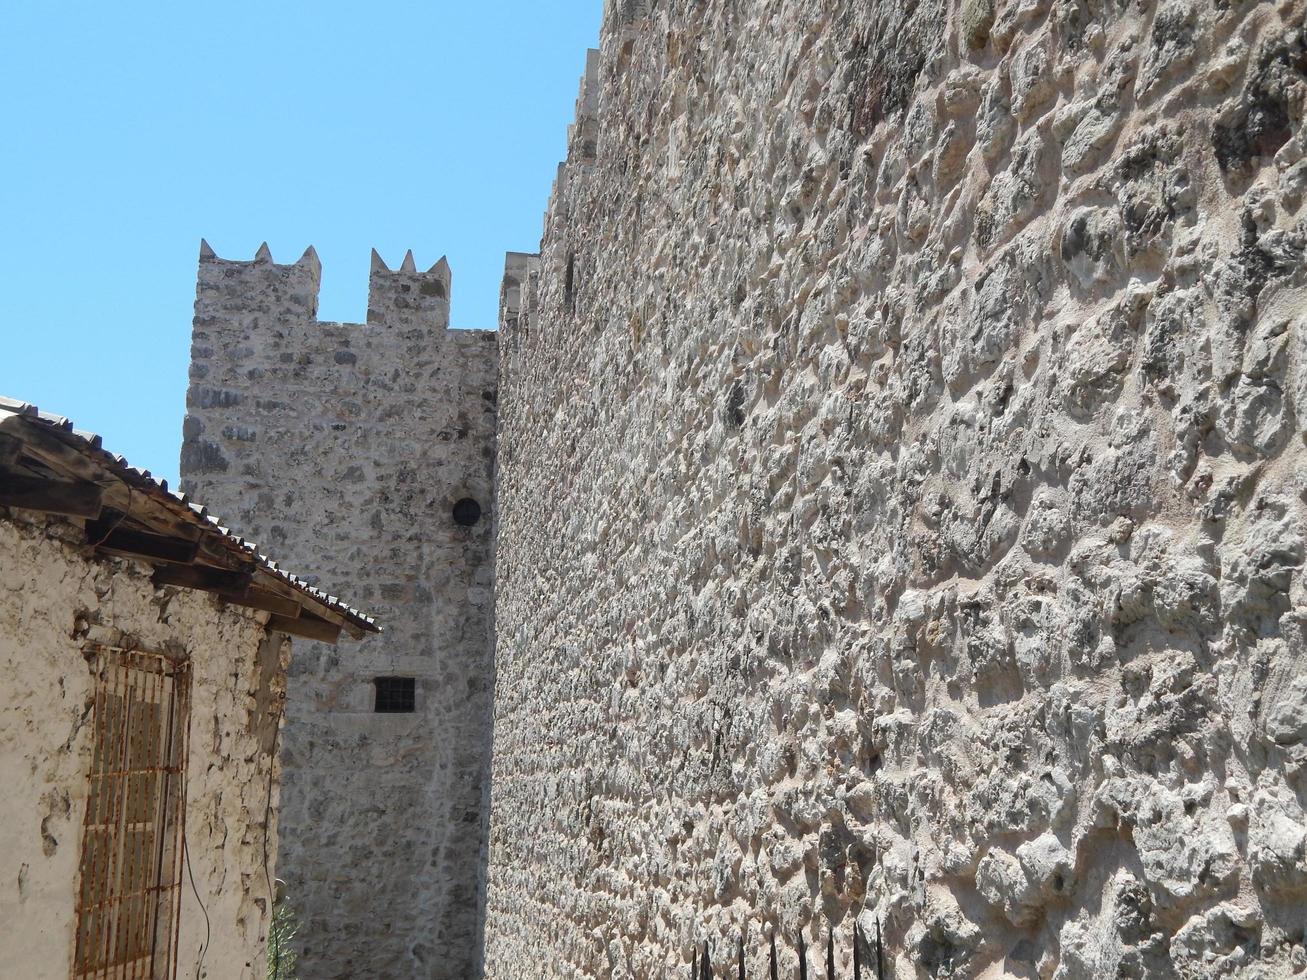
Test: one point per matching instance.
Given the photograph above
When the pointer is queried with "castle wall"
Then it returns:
(343, 448)
(901, 496)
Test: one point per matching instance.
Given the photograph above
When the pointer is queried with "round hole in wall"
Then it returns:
(467, 512)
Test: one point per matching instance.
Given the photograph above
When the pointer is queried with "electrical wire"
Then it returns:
(267, 819)
(117, 524)
(186, 852)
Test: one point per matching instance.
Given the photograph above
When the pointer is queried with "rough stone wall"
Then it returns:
(342, 448)
(52, 603)
(900, 495)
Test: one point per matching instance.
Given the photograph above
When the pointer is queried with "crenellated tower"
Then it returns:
(365, 451)
(406, 298)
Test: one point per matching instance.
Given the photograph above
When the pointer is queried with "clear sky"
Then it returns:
(131, 130)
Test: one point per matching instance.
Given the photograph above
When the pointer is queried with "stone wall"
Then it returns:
(900, 495)
(342, 448)
(53, 602)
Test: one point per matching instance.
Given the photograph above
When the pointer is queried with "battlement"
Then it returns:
(620, 14)
(514, 289)
(261, 291)
(582, 134)
(228, 290)
(582, 138)
(406, 297)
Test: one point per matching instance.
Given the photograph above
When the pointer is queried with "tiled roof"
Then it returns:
(27, 423)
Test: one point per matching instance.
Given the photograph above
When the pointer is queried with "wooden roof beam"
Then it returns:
(266, 601)
(50, 496)
(203, 578)
(315, 607)
(109, 535)
(234, 588)
(10, 449)
(44, 444)
(307, 627)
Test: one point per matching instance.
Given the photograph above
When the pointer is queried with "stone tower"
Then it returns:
(365, 451)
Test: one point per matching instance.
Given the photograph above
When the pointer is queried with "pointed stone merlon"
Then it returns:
(583, 134)
(582, 141)
(407, 298)
(621, 14)
(250, 293)
(260, 293)
(587, 99)
(521, 270)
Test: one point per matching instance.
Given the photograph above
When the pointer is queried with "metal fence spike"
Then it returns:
(741, 977)
(830, 952)
(857, 951)
(694, 964)
(803, 957)
(880, 959)
(705, 967)
(775, 975)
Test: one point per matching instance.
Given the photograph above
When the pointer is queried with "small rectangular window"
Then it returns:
(394, 695)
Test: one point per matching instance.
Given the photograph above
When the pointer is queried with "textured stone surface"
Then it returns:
(901, 495)
(53, 601)
(342, 448)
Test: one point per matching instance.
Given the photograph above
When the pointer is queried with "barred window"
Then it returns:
(128, 899)
(395, 695)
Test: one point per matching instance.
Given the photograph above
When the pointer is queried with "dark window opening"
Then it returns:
(467, 512)
(569, 285)
(395, 695)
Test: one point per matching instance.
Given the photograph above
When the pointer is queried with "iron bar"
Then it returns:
(182, 742)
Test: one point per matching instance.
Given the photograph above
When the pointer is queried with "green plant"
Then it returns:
(281, 947)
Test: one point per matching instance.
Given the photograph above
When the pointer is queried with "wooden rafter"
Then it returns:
(234, 587)
(317, 609)
(47, 448)
(10, 450)
(307, 627)
(203, 578)
(267, 601)
(50, 496)
(111, 536)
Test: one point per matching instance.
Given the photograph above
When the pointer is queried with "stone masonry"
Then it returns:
(343, 448)
(900, 495)
(55, 600)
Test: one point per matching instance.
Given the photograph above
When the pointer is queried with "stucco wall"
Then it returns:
(342, 448)
(901, 468)
(52, 603)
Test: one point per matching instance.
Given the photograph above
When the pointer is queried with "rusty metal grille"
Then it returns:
(129, 897)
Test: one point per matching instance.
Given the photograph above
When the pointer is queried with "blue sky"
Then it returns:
(129, 131)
